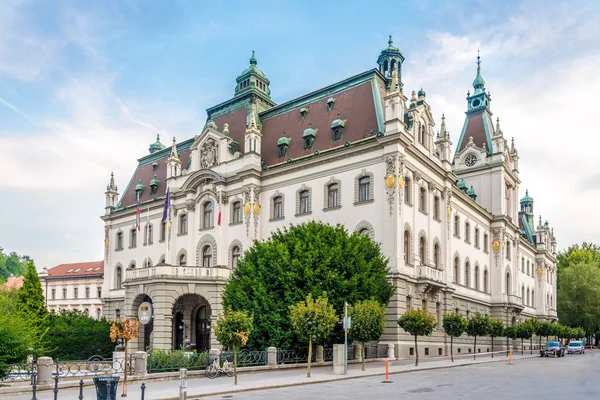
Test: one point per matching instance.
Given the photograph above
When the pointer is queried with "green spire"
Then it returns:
(253, 80)
(527, 198)
(156, 146)
(479, 82)
(253, 60)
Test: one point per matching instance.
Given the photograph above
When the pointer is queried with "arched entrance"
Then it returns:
(146, 330)
(191, 323)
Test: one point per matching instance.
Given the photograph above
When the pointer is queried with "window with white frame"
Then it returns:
(207, 215)
(278, 207)
(236, 210)
(364, 189)
(207, 256)
(422, 199)
(183, 224)
(333, 195)
(235, 256)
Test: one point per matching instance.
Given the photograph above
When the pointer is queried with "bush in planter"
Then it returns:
(171, 360)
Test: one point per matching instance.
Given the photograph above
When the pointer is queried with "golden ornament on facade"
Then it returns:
(401, 181)
(449, 212)
(106, 242)
(247, 208)
(539, 271)
(390, 180)
(496, 245)
(256, 208)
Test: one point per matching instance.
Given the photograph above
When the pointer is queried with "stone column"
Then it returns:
(390, 351)
(272, 357)
(319, 355)
(140, 363)
(338, 359)
(44, 365)
(358, 352)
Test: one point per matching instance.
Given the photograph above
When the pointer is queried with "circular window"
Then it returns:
(476, 103)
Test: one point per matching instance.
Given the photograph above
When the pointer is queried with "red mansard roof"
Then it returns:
(78, 270)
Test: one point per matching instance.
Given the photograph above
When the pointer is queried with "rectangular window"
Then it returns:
(120, 241)
(53, 294)
(278, 207)
(237, 212)
(304, 202)
(364, 188)
(183, 224)
(133, 238)
(332, 195)
(485, 242)
(163, 231)
(64, 293)
(87, 292)
(76, 293)
(477, 237)
(150, 234)
(436, 208)
(99, 292)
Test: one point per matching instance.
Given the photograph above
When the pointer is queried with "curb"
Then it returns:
(343, 378)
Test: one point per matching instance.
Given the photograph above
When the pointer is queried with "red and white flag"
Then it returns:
(219, 219)
(137, 216)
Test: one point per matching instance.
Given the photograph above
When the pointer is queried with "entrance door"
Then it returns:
(148, 328)
(202, 330)
(178, 330)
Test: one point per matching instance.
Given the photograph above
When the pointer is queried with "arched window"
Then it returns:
(207, 215)
(150, 234)
(364, 188)
(406, 246)
(278, 207)
(477, 237)
(485, 281)
(477, 277)
(523, 265)
(436, 207)
(133, 238)
(207, 257)
(467, 232)
(456, 267)
(467, 274)
(237, 212)
(436, 255)
(118, 278)
(408, 303)
(407, 190)
(304, 202)
(532, 298)
(119, 241)
(422, 250)
(485, 242)
(422, 135)
(235, 256)
(422, 199)
(507, 285)
(528, 297)
(332, 195)
(163, 231)
(182, 260)
(456, 226)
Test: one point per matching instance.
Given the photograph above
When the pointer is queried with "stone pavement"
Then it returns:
(201, 387)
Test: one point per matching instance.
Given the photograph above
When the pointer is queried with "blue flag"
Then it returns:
(167, 204)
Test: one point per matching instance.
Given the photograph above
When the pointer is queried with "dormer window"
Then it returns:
(337, 128)
(303, 112)
(309, 137)
(282, 145)
(330, 103)
(234, 146)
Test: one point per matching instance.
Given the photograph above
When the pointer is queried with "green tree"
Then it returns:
(308, 258)
(544, 329)
(368, 323)
(579, 296)
(313, 320)
(525, 330)
(417, 323)
(72, 335)
(477, 325)
(496, 329)
(17, 334)
(454, 325)
(587, 253)
(30, 297)
(232, 331)
(510, 332)
(12, 264)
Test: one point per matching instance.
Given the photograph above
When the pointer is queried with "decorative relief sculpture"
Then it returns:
(209, 154)
(390, 182)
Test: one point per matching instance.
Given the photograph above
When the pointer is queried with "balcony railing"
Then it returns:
(427, 272)
(514, 299)
(172, 271)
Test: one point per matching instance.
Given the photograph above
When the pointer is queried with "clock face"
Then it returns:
(470, 160)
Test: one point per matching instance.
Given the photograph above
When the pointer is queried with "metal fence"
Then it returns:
(18, 372)
(95, 365)
(169, 361)
(248, 358)
(292, 357)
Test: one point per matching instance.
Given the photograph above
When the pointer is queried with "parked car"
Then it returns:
(575, 347)
(549, 349)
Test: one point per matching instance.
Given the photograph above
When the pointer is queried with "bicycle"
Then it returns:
(213, 370)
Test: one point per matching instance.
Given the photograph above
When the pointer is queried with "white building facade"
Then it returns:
(358, 153)
(74, 287)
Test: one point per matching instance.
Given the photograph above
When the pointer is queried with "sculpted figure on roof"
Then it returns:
(209, 154)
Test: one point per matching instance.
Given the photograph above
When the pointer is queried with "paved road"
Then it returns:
(572, 377)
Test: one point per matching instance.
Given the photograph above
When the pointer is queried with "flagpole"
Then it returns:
(137, 248)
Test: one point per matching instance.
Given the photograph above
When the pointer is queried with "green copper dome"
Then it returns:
(310, 132)
(527, 198)
(479, 82)
(156, 146)
(421, 92)
(253, 69)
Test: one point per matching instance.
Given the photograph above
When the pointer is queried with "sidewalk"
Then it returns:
(202, 387)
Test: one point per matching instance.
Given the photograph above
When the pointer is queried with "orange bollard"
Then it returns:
(510, 357)
(387, 371)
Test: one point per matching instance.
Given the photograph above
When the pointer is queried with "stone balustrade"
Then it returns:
(172, 271)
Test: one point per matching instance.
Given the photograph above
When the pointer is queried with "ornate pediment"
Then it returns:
(209, 153)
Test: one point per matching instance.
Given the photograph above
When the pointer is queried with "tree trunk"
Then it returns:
(416, 352)
(475, 348)
(522, 346)
(364, 353)
(531, 345)
(309, 356)
(451, 350)
(234, 364)
(540, 343)
(492, 347)
(125, 373)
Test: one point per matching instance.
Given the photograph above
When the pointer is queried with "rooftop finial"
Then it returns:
(253, 60)
(478, 83)
(498, 130)
(390, 41)
(443, 127)
(478, 61)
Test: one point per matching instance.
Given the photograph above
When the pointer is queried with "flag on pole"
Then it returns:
(219, 219)
(166, 208)
(137, 216)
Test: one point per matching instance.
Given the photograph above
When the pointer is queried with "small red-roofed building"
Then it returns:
(13, 283)
(76, 286)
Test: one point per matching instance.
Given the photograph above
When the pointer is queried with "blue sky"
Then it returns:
(86, 86)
